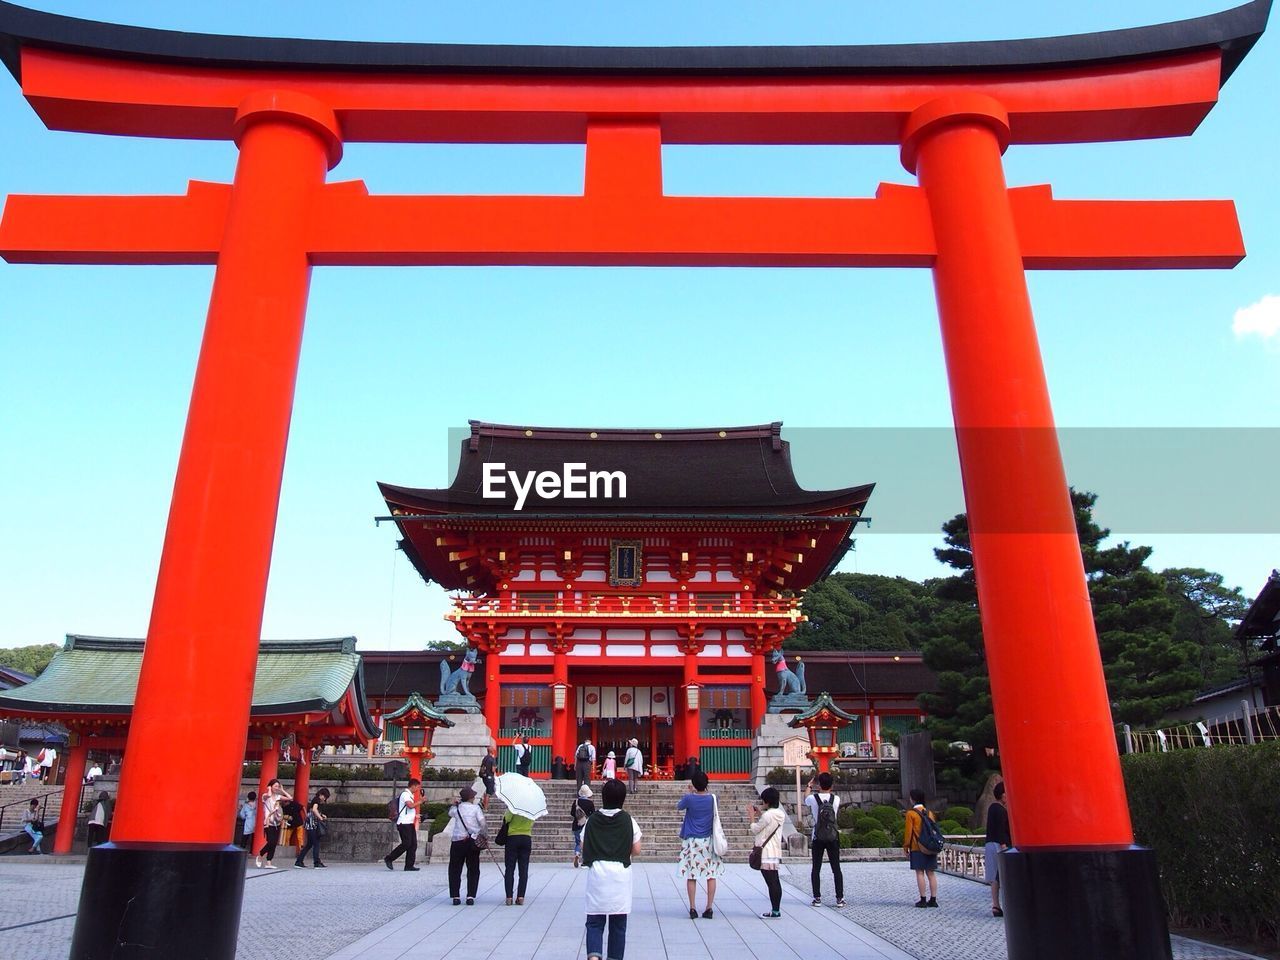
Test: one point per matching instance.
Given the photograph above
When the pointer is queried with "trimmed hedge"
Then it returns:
(961, 815)
(888, 816)
(1212, 815)
(865, 823)
(951, 828)
(874, 838)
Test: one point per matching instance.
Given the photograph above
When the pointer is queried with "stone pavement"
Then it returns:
(287, 915)
(880, 898)
(363, 912)
(550, 925)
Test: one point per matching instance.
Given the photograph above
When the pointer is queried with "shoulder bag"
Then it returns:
(719, 842)
(756, 859)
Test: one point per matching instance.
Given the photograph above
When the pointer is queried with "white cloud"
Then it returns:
(1261, 319)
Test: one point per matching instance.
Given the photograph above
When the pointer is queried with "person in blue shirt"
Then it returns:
(698, 860)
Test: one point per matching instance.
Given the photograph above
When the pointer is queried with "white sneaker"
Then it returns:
(257, 862)
(269, 865)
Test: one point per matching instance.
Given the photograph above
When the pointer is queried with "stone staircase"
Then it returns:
(14, 800)
(653, 807)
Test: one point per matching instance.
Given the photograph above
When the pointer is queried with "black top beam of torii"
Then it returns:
(1233, 31)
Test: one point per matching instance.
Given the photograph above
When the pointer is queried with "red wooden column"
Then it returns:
(72, 786)
(562, 732)
(689, 717)
(268, 770)
(302, 775)
(1046, 672)
(171, 848)
(493, 691)
(758, 701)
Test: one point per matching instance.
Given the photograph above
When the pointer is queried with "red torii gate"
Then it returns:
(1076, 886)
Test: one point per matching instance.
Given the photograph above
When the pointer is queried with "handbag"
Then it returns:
(756, 858)
(719, 842)
(501, 837)
(478, 838)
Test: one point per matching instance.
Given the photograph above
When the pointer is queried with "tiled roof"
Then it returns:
(99, 675)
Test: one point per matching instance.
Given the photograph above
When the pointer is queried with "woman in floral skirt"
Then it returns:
(698, 860)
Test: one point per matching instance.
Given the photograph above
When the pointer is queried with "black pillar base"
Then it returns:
(1083, 903)
(153, 900)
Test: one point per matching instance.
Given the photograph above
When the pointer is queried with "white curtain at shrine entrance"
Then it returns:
(624, 702)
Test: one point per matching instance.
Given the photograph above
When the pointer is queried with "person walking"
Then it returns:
(29, 767)
(579, 812)
(489, 775)
(314, 826)
(96, 829)
(609, 770)
(998, 838)
(584, 762)
(273, 800)
(922, 861)
(633, 763)
(32, 825)
(524, 756)
(519, 847)
(48, 757)
(824, 807)
(766, 825)
(468, 826)
(698, 858)
(609, 840)
(406, 827)
(249, 815)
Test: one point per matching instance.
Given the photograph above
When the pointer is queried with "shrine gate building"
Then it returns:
(655, 615)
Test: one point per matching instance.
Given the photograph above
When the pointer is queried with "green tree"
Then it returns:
(1149, 669)
(860, 611)
(32, 659)
(1207, 614)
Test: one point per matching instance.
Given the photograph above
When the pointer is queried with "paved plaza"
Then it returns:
(362, 912)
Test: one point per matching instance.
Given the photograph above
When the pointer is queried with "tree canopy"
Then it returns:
(31, 659)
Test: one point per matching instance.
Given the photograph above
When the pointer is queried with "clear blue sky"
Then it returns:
(96, 362)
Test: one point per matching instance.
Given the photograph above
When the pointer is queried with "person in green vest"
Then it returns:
(519, 847)
(609, 841)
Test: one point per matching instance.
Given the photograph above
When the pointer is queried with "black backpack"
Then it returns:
(584, 752)
(825, 830)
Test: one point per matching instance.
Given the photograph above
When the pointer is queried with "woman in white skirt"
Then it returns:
(698, 860)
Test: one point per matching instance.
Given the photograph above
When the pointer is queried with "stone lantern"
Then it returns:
(419, 719)
(822, 720)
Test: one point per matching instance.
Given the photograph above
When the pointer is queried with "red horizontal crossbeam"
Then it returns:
(350, 227)
(1157, 97)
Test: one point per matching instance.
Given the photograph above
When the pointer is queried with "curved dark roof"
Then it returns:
(99, 675)
(1232, 31)
(729, 471)
(1262, 619)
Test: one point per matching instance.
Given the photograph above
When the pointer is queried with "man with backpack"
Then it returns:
(406, 816)
(584, 761)
(824, 806)
(922, 842)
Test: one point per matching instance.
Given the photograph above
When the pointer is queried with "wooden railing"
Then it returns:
(964, 858)
(624, 606)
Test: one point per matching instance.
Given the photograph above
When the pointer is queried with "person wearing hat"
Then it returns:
(582, 808)
(610, 769)
(633, 762)
(468, 824)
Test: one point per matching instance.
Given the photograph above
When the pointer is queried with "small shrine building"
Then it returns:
(626, 584)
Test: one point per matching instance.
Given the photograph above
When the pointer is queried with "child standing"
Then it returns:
(610, 771)
(609, 840)
(923, 862)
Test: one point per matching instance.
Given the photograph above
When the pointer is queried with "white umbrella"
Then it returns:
(521, 795)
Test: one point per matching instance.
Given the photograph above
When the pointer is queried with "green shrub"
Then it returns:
(440, 822)
(848, 838)
(847, 815)
(356, 811)
(864, 824)
(888, 816)
(1213, 818)
(448, 773)
(961, 815)
(874, 838)
(950, 828)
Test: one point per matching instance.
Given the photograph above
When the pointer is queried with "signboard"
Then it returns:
(795, 752)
